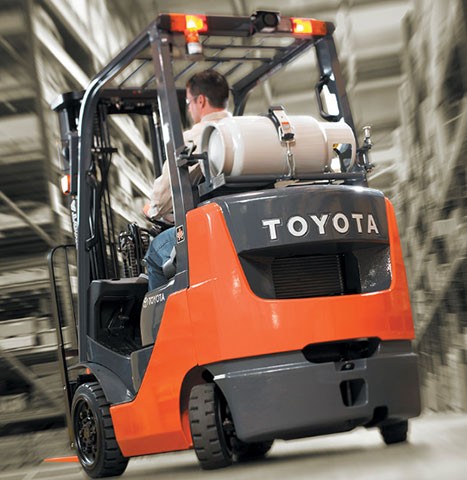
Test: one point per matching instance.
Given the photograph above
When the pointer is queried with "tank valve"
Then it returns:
(363, 151)
(367, 136)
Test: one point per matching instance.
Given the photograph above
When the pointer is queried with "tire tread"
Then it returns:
(112, 462)
(208, 439)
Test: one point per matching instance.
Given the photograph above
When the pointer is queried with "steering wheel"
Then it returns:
(159, 226)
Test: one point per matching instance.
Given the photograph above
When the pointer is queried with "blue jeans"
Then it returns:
(158, 253)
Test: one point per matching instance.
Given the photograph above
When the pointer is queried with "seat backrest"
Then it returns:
(250, 145)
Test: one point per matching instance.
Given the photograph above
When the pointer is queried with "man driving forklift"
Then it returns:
(280, 245)
(207, 95)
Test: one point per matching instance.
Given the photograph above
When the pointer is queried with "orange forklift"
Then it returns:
(286, 311)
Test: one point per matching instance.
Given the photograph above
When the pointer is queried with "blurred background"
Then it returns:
(405, 64)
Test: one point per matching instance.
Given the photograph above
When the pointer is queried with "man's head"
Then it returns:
(206, 92)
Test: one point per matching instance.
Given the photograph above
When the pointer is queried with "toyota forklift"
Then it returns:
(286, 310)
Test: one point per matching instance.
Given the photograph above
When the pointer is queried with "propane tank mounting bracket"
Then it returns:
(286, 134)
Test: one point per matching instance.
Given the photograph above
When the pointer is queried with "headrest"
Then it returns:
(250, 145)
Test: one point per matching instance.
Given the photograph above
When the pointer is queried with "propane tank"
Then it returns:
(250, 145)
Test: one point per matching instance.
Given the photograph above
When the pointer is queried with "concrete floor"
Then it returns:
(437, 450)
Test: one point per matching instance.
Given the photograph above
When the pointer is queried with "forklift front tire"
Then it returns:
(97, 448)
(395, 432)
(211, 427)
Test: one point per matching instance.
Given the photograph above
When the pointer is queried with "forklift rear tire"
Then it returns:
(395, 432)
(211, 427)
(96, 445)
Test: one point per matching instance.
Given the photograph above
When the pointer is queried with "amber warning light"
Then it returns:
(308, 26)
(65, 183)
(191, 26)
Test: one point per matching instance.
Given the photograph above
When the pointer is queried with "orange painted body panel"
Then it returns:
(220, 318)
(152, 423)
(239, 324)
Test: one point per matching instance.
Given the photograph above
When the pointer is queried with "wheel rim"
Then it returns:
(86, 432)
(226, 424)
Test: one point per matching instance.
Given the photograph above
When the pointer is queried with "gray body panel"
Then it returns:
(114, 387)
(286, 396)
(287, 237)
(245, 214)
(139, 364)
(153, 308)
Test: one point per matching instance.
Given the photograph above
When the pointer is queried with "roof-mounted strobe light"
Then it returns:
(191, 26)
(265, 22)
(308, 26)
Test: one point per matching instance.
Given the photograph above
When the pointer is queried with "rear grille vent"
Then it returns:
(304, 277)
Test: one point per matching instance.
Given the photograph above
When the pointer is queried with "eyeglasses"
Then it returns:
(188, 101)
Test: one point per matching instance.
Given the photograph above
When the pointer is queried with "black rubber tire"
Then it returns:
(395, 432)
(245, 452)
(207, 413)
(96, 445)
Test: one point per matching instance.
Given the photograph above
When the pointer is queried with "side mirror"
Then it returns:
(327, 101)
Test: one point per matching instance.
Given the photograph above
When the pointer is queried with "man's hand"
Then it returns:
(146, 210)
(160, 225)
